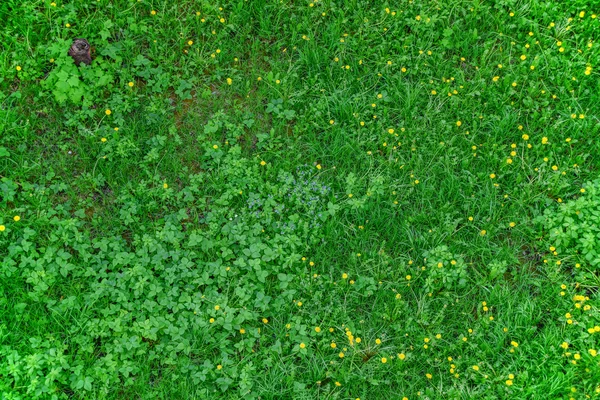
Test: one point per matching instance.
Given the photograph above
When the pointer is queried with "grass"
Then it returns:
(300, 200)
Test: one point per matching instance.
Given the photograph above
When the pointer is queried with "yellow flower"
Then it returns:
(68, 25)
(166, 186)
(265, 321)
(16, 218)
(458, 123)
(492, 176)
(523, 57)
(514, 344)
(483, 232)
(302, 345)
(2, 228)
(299, 304)
(130, 84)
(107, 112)
(358, 340)
(401, 356)
(153, 12)
(378, 341)
(242, 331)
(319, 166)
(190, 42)
(509, 382)
(341, 355)
(229, 81)
(331, 122)
(317, 329)
(408, 277)
(525, 136)
(103, 140)
(344, 276)
(263, 163)
(429, 376)
(383, 360)
(338, 384)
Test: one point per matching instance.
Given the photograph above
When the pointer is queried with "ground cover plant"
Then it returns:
(300, 199)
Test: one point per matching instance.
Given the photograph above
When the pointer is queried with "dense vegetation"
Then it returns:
(297, 200)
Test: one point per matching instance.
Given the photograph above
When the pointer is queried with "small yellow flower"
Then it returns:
(229, 81)
(217, 307)
(153, 12)
(378, 341)
(16, 218)
(509, 382)
(190, 42)
(458, 123)
(130, 84)
(341, 355)
(317, 329)
(68, 25)
(333, 345)
(2, 228)
(525, 136)
(302, 345)
(523, 57)
(263, 163)
(212, 320)
(319, 166)
(166, 186)
(483, 232)
(338, 384)
(514, 344)
(103, 140)
(401, 356)
(429, 376)
(299, 304)
(265, 321)
(475, 367)
(383, 360)
(492, 176)
(331, 122)
(512, 224)
(107, 112)
(242, 331)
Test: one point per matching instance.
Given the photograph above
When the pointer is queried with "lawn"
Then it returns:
(338, 199)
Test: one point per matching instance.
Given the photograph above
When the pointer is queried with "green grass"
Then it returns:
(338, 199)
